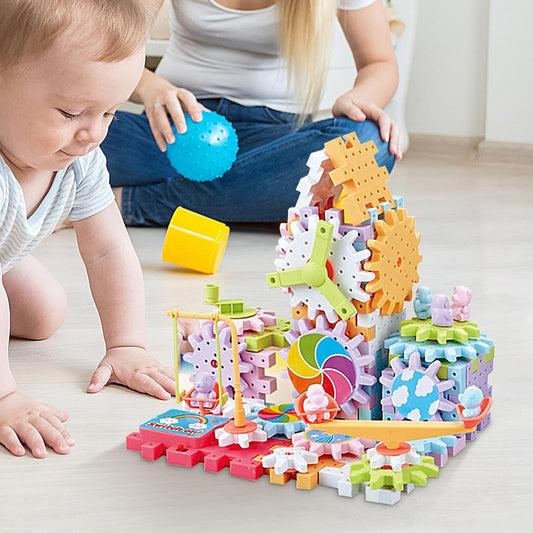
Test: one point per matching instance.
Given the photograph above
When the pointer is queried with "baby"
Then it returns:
(65, 67)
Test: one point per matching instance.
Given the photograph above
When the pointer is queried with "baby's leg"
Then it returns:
(37, 302)
(37, 305)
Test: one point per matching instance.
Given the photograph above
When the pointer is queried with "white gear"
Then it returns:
(283, 459)
(316, 188)
(346, 261)
(396, 462)
(242, 439)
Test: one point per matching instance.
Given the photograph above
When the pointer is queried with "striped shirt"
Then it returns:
(77, 192)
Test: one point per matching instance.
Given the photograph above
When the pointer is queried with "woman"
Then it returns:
(262, 64)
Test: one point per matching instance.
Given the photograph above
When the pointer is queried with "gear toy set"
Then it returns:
(379, 402)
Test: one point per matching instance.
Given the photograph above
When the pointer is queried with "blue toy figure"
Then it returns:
(471, 398)
(206, 150)
(422, 303)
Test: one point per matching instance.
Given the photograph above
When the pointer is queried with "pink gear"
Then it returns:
(255, 323)
(318, 442)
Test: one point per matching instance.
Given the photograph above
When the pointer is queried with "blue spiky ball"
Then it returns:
(206, 150)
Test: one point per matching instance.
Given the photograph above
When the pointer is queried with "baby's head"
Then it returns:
(107, 30)
(65, 67)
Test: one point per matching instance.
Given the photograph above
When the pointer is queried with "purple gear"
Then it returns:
(204, 356)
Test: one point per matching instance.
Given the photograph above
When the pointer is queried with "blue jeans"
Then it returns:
(260, 186)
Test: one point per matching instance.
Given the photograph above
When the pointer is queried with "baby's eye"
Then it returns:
(107, 114)
(70, 116)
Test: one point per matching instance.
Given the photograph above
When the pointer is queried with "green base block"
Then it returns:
(380, 478)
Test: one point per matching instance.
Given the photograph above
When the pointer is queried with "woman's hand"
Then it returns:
(160, 99)
(358, 111)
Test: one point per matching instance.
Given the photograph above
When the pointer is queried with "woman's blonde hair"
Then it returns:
(30, 27)
(306, 38)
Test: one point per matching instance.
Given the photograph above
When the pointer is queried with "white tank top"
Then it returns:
(218, 52)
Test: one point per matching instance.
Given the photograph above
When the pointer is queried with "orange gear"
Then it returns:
(394, 261)
(357, 171)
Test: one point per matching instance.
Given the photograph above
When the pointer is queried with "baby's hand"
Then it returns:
(135, 368)
(23, 420)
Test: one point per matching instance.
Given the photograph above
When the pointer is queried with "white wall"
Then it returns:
(472, 71)
(510, 73)
(447, 90)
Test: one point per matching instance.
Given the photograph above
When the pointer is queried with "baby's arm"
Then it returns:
(22, 419)
(117, 287)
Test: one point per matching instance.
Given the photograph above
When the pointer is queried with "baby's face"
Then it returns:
(58, 107)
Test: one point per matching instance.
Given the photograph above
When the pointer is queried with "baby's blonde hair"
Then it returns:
(306, 37)
(30, 27)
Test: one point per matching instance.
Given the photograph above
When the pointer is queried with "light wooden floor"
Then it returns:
(476, 224)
